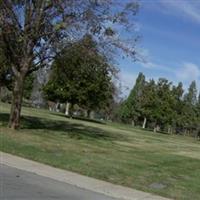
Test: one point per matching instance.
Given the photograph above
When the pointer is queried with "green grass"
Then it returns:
(116, 153)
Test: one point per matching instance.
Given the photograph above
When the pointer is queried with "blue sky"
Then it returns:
(170, 43)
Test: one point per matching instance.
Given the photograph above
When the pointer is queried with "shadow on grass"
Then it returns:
(80, 118)
(4, 117)
(72, 130)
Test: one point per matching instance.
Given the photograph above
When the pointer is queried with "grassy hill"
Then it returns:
(167, 165)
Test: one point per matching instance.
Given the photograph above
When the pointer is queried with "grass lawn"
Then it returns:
(167, 165)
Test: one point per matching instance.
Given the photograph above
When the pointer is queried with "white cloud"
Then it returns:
(127, 80)
(184, 72)
(187, 8)
(151, 65)
(188, 72)
(156, 66)
(146, 61)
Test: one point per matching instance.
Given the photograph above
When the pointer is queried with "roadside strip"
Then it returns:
(80, 181)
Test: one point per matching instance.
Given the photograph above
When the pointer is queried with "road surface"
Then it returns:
(16, 184)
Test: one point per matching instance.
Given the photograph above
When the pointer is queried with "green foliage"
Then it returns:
(190, 105)
(190, 98)
(81, 75)
(32, 41)
(163, 105)
(132, 108)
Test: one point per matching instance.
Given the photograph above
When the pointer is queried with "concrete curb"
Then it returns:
(80, 181)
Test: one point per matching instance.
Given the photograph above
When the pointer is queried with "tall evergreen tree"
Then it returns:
(198, 108)
(131, 108)
(162, 106)
(164, 109)
(149, 103)
(191, 96)
(178, 105)
(189, 114)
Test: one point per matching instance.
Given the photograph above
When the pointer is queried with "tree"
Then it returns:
(5, 71)
(32, 32)
(28, 86)
(191, 97)
(162, 106)
(165, 112)
(131, 108)
(149, 103)
(198, 116)
(6, 78)
(81, 75)
(198, 107)
(177, 92)
(190, 101)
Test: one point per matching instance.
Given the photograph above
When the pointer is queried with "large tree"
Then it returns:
(189, 108)
(131, 108)
(7, 79)
(162, 106)
(33, 31)
(81, 75)
(198, 115)
(191, 96)
(177, 106)
(149, 102)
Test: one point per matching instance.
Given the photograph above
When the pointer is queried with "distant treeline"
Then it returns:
(162, 106)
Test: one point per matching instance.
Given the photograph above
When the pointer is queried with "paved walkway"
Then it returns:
(16, 184)
(74, 179)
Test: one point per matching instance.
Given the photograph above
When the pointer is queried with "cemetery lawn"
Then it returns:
(167, 165)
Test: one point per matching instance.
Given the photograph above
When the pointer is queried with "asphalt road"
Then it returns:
(21, 185)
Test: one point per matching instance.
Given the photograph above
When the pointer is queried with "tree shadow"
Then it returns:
(4, 117)
(72, 130)
(80, 118)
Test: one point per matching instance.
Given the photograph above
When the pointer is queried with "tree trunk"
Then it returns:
(57, 106)
(91, 115)
(85, 113)
(0, 91)
(67, 108)
(144, 123)
(88, 113)
(14, 121)
(133, 122)
(156, 128)
(169, 130)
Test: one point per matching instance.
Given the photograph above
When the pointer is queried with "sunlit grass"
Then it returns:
(117, 153)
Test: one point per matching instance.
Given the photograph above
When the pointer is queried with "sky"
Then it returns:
(170, 43)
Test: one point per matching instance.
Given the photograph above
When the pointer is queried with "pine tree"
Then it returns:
(149, 103)
(198, 108)
(189, 114)
(177, 92)
(191, 97)
(131, 108)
